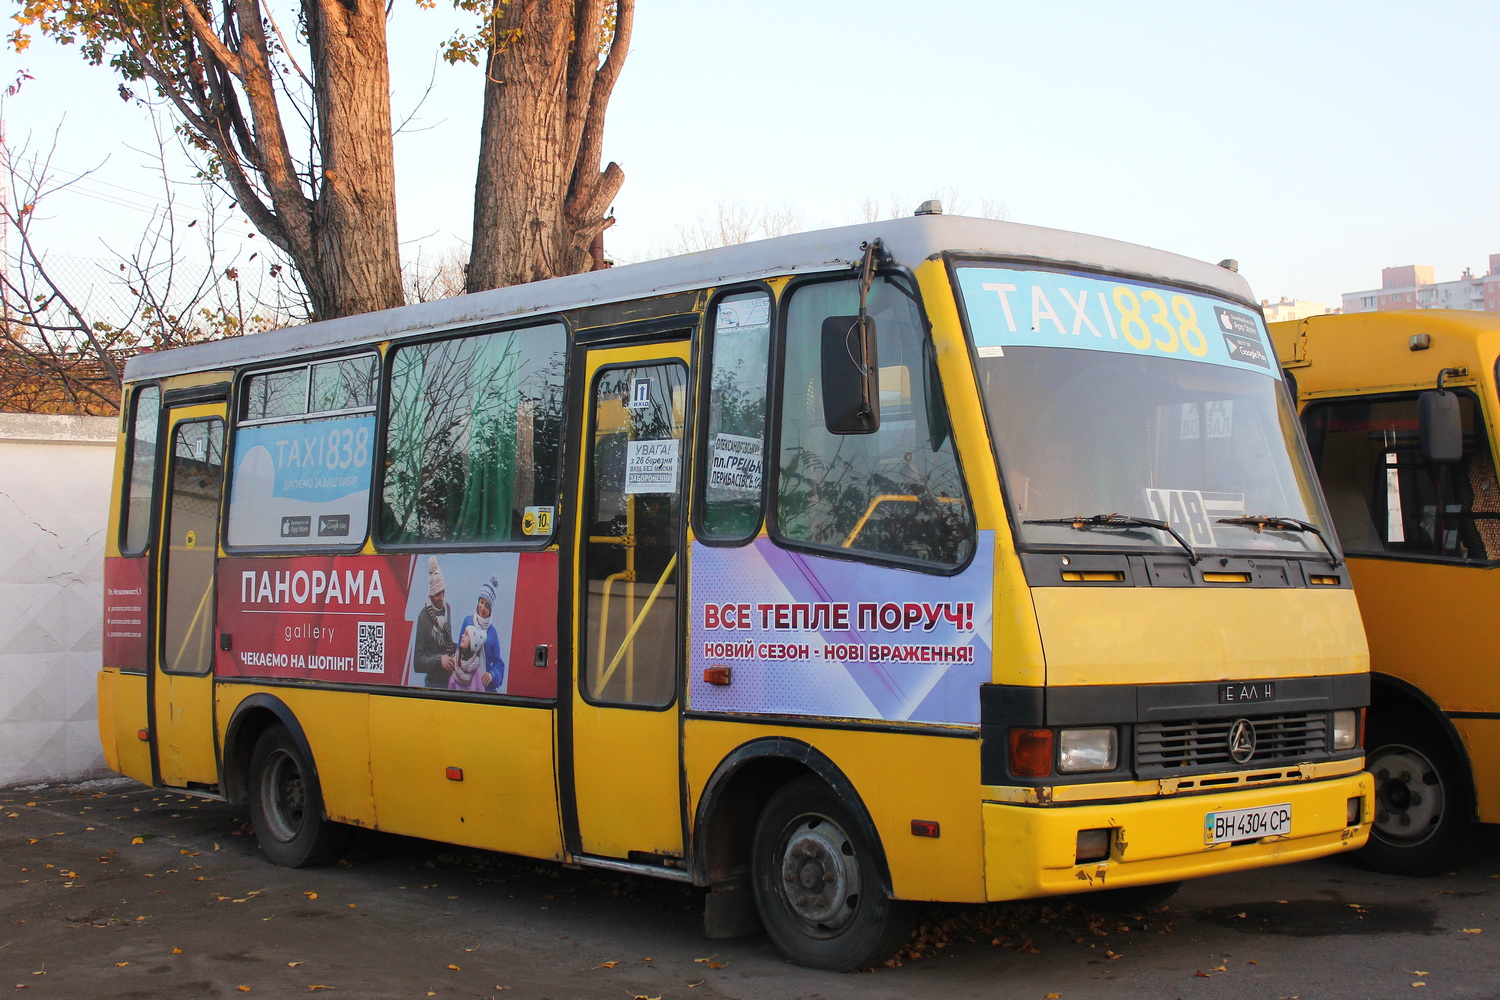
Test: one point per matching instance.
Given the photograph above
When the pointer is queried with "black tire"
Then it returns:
(819, 883)
(1131, 899)
(286, 805)
(1423, 802)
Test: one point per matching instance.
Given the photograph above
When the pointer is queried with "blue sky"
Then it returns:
(1315, 142)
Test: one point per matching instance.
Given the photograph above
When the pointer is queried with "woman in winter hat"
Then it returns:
(479, 665)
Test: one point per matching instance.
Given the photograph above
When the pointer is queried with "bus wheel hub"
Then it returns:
(1408, 795)
(818, 873)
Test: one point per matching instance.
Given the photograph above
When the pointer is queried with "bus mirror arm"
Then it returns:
(851, 366)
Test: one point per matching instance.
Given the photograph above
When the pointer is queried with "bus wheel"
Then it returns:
(286, 807)
(818, 883)
(1422, 810)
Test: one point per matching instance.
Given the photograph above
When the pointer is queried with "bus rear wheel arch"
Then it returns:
(1423, 802)
(286, 804)
(819, 881)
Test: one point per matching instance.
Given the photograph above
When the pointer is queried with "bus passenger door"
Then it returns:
(182, 699)
(622, 738)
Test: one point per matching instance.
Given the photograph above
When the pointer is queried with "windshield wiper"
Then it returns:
(1261, 522)
(1081, 522)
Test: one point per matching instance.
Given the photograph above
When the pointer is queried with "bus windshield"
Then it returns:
(1118, 407)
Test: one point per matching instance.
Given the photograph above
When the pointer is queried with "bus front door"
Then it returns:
(622, 735)
(182, 699)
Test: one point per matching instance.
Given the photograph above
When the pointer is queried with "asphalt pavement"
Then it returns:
(109, 889)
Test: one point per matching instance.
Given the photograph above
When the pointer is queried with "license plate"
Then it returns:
(1247, 824)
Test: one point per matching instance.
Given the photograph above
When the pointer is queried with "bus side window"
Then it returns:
(473, 438)
(141, 470)
(1384, 498)
(733, 484)
(895, 492)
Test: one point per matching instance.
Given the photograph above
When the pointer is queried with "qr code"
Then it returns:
(371, 648)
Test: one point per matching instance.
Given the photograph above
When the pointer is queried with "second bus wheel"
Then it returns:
(818, 882)
(1423, 812)
(286, 806)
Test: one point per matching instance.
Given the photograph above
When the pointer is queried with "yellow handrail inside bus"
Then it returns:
(882, 498)
(194, 628)
(635, 626)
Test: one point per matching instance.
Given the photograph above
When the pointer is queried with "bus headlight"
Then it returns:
(1082, 750)
(1345, 729)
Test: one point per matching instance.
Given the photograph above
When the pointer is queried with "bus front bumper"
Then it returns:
(1033, 850)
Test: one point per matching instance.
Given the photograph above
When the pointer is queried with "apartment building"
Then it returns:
(1414, 286)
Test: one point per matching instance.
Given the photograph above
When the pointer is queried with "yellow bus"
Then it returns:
(934, 559)
(1400, 412)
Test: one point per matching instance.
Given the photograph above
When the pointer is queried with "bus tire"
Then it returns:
(818, 882)
(286, 804)
(1423, 805)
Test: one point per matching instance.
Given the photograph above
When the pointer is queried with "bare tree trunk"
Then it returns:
(354, 246)
(339, 230)
(540, 197)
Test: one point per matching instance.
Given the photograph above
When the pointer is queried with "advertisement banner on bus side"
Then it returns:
(1017, 307)
(808, 635)
(304, 482)
(125, 612)
(452, 621)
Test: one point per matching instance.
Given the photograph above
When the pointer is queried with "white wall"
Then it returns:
(54, 494)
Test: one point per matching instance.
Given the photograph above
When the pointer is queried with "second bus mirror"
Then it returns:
(851, 376)
(1441, 427)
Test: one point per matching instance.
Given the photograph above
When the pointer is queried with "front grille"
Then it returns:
(1203, 744)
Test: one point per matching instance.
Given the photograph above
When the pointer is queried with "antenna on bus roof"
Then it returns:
(929, 207)
(1230, 264)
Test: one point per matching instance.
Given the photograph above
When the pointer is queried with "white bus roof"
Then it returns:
(910, 241)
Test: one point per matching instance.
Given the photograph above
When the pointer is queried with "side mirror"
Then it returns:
(1441, 427)
(850, 376)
